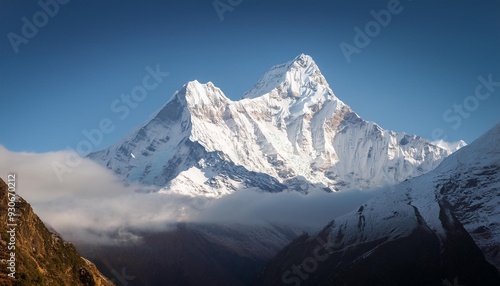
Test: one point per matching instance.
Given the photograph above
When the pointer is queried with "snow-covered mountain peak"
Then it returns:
(484, 151)
(304, 58)
(289, 131)
(198, 94)
(303, 61)
(450, 146)
(290, 79)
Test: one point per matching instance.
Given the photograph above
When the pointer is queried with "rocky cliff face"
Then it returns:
(41, 257)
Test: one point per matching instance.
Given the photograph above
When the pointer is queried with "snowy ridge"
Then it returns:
(469, 181)
(289, 129)
(450, 146)
(296, 76)
(465, 184)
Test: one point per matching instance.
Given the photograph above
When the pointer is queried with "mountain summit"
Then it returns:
(288, 132)
(292, 76)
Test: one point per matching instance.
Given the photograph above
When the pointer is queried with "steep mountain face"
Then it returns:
(288, 132)
(193, 254)
(428, 230)
(41, 257)
(469, 182)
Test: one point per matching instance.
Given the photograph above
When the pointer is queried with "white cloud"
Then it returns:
(313, 210)
(450, 146)
(90, 204)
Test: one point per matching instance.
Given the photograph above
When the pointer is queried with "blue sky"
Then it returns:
(65, 77)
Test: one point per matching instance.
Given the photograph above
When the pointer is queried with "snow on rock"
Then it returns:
(450, 146)
(467, 184)
(289, 127)
(469, 180)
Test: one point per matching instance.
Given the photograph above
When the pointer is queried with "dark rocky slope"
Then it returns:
(41, 257)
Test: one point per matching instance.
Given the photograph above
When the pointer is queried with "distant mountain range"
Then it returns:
(289, 132)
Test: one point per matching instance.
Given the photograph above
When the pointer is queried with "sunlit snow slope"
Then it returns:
(288, 132)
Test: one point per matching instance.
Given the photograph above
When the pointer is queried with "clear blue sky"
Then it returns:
(65, 77)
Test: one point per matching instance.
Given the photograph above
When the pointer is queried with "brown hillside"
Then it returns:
(41, 257)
